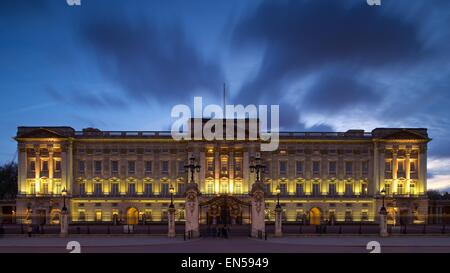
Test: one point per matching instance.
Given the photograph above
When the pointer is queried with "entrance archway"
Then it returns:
(132, 216)
(314, 216)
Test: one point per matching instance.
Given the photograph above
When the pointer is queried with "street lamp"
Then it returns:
(171, 190)
(383, 194)
(192, 166)
(64, 193)
(257, 167)
(278, 191)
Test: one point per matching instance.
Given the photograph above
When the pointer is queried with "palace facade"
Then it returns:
(127, 177)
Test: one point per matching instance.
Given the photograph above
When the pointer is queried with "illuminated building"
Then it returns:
(125, 177)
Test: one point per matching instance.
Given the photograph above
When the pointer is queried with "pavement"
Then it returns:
(238, 244)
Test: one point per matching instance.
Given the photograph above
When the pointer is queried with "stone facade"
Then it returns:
(125, 177)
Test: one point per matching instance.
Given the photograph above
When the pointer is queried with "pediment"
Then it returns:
(405, 134)
(42, 133)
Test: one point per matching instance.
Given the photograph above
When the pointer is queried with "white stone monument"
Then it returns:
(171, 221)
(192, 210)
(278, 220)
(258, 206)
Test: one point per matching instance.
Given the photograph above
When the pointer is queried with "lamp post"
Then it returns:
(383, 216)
(64, 222)
(171, 222)
(278, 191)
(257, 167)
(171, 190)
(278, 214)
(64, 193)
(383, 194)
(192, 166)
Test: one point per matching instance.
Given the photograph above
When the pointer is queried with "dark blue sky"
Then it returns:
(331, 65)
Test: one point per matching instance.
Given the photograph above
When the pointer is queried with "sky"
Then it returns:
(330, 65)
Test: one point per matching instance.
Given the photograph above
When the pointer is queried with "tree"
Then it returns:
(8, 180)
(434, 195)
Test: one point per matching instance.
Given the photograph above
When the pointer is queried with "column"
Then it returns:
(50, 172)
(422, 187)
(407, 171)
(278, 221)
(381, 168)
(394, 171)
(231, 172)
(217, 172)
(171, 222)
(23, 169)
(246, 175)
(37, 171)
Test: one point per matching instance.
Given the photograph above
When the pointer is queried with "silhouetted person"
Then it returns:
(29, 230)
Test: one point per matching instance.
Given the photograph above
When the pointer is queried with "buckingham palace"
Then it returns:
(134, 177)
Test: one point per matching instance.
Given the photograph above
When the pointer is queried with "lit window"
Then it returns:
(98, 215)
(238, 188)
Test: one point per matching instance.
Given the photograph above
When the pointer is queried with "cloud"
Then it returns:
(151, 63)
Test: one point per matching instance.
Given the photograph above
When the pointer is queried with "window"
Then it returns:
(388, 166)
(364, 215)
(299, 167)
(412, 188)
(316, 189)
(400, 166)
(32, 166)
(400, 188)
(148, 189)
(299, 189)
(98, 188)
(348, 216)
(365, 167)
(44, 166)
(98, 167)
(181, 167)
(165, 189)
(224, 187)
(238, 166)
(181, 188)
(114, 167)
(33, 188)
(81, 215)
(148, 167)
(114, 189)
(210, 188)
(283, 167)
(82, 189)
(316, 167)
(131, 167)
(364, 189)
(210, 166)
(238, 188)
(224, 166)
(348, 168)
(131, 189)
(283, 188)
(57, 188)
(165, 167)
(332, 167)
(412, 167)
(45, 188)
(387, 188)
(58, 166)
(81, 166)
(332, 189)
(348, 189)
(98, 215)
